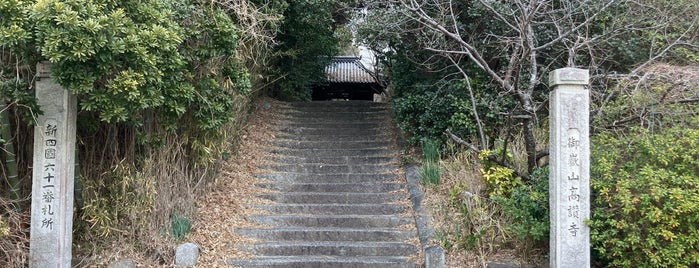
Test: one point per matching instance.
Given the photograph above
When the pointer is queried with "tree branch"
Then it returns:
(490, 157)
(574, 29)
(471, 51)
(499, 16)
(473, 101)
(661, 53)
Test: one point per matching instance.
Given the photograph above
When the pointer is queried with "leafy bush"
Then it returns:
(646, 198)
(422, 108)
(171, 59)
(528, 207)
(123, 57)
(500, 180)
(13, 23)
(426, 114)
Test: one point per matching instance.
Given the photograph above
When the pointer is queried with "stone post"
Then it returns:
(52, 174)
(569, 174)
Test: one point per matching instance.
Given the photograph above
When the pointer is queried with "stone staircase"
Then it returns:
(339, 199)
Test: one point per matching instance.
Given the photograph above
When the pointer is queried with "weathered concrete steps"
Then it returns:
(338, 200)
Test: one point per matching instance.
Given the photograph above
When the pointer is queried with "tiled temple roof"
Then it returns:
(348, 69)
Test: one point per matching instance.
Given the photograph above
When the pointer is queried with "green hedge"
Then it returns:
(646, 198)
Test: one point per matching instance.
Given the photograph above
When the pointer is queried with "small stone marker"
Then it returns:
(569, 169)
(434, 257)
(126, 263)
(186, 254)
(52, 174)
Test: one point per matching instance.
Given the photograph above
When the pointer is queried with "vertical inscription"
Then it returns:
(49, 195)
(571, 150)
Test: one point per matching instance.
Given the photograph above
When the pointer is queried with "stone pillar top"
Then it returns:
(569, 76)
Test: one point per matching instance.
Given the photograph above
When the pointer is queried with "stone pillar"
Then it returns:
(569, 175)
(52, 174)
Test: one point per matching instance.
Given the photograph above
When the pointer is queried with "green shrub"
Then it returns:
(423, 115)
(14, 24)
(528, 207)
(169, 59)
(646, 198)
(500, 180)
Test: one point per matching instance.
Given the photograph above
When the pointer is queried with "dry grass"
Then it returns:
(223, 209)
(14, 242)
(496, 244)
(211, 193)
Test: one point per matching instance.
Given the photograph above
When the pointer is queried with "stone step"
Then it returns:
(335, 209)
(331, 198)
(353, 118)
(330, 144)
(326, 118)
(328, 130)
(357, 121)
(344, 249)
(302, 116)
(329, 178)
(338, 106)
(338, 196)
(341, 112)
(339, 124)
(320, 108)
(338, 221)
(330, 234)
(367, 187)
(325, 168)
(351, 103)
(345, 160)
(340, 137)
(323, 262)
(334, 152)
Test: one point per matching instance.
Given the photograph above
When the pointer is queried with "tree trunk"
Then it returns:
(529, 127)
(530, 144)
(10, 159)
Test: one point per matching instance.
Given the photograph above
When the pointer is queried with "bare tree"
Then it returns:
(521, 41)
(530, 38)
